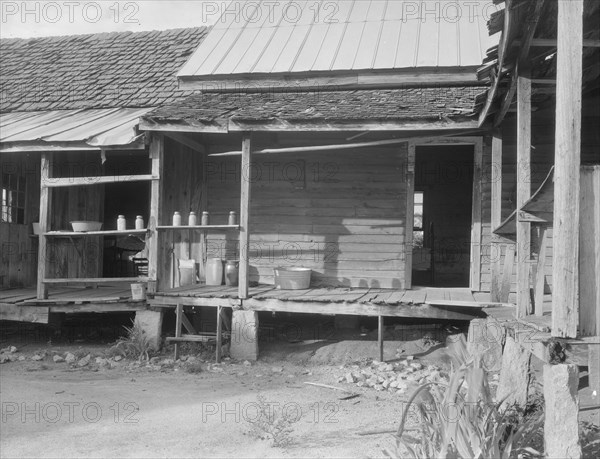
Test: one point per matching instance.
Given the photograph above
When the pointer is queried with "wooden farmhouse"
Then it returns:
(420, 168)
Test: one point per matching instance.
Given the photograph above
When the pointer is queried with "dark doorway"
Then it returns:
(443, 213)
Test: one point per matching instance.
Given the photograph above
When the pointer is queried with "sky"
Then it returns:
(24, 19)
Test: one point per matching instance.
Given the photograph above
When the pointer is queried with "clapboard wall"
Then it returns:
(340, 213)
(18, 254)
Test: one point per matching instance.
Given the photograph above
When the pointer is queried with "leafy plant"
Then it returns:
(135, 344)
(269, 425)
(461, 420)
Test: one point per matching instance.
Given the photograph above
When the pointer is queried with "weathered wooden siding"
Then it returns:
(18, 258)
(341, 214)
(542, 160)
(182, 192)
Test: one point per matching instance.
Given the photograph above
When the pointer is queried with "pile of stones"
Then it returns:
(395, 377)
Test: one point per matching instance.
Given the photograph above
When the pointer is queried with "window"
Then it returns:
(13, 198)
(418, 232)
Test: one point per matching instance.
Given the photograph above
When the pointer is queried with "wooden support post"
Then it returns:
(561, 424)
(45, 211)
(219, 331)
(589, 252)
(540, 272)
(496, 217)
(178, 322)
(567, 159)
(380, 331)
(157, 147)
(475, 274)
(507, 270)
(410, 210)
(245, 217)
(523, 193)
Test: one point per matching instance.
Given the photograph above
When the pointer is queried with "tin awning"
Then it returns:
(91, 129)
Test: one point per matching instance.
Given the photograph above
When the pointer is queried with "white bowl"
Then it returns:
(292, 278)
(84, 225)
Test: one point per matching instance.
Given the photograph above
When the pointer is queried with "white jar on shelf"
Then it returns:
(192, 219)
(139, 222)
(121, 223)
(176, 219)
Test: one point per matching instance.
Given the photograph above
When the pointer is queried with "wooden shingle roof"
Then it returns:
(107, 70)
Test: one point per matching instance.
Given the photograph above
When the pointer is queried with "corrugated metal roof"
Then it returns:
(299, 36)
(96, 127)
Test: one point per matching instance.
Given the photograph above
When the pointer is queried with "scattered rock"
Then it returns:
(58, 358)
(4, 358)
(118, 358)
(84, 361)
(191, 358)
(247, 363)
(21, 358)
(102, 362)
(350, 378)
(70, 358)
(167, 362)
(277, 369)
(12, 349)
(37, 357)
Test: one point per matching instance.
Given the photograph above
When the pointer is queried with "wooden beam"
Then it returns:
(502, 49)
(476, 220)
(340, 80)
(410, 209)
(89, 181)
(567, 159)
(95, 280)
(157, 147)
(375, 143)
(531, 20)
(45, 219)
(361, 309)
(523, 193)
(187, 141)
(496, 212)
(246, 176)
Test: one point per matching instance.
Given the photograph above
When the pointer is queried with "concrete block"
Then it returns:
(514, 375)
(561, 423)
(151, 323)
(244, 335)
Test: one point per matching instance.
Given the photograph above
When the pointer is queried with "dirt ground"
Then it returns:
(124, 409)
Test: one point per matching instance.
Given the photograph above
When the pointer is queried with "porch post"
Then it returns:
(496, 217)
(45, 209)
(245, 217)
(523, 192)
(157, 147)
(567, 160)
(410, 209)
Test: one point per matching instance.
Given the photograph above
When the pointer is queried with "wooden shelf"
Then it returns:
(94, 233)
(96, 280)
(200, 227)
(91, 181)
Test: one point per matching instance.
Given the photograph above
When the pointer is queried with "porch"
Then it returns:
(420, 302)
(23, 304)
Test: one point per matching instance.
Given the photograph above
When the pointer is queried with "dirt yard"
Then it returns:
(98, 405)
